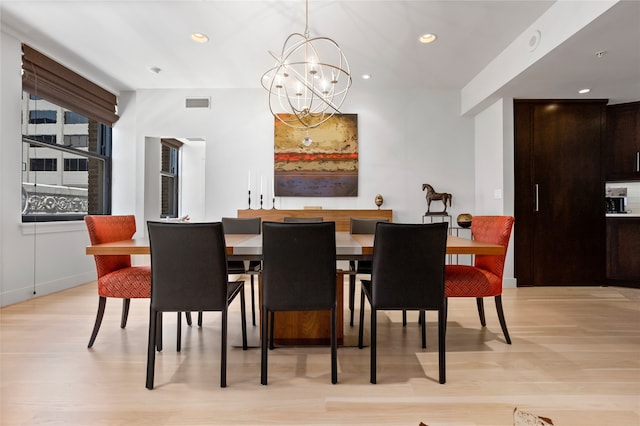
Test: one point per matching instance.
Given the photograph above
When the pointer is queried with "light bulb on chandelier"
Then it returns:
(309, 81)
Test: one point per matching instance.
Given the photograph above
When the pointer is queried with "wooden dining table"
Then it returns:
(309, 327)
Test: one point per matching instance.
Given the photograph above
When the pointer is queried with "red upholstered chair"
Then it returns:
(116, 277)
(484, 279)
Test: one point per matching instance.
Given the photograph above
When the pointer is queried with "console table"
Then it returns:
(342, 218)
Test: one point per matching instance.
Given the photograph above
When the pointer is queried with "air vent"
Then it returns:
(198, 102)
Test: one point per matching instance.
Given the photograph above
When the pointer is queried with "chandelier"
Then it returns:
(309, 81)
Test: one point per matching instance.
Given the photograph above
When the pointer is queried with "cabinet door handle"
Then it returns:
(536, 200)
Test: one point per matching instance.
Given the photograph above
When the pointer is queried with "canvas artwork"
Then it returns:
(328, 167)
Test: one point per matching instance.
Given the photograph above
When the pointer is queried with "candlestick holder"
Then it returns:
(260, 201)
(249, 199)
(273, 203)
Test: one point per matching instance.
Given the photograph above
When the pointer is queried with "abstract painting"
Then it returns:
(327, 167)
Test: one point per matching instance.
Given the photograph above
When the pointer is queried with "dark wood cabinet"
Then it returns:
(559, 190)
(623, 251)
(623, 142)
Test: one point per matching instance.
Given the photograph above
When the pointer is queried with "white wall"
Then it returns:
(406, 138)
(40, 258)
(494, 174)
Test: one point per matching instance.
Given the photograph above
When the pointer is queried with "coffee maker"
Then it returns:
(615, 204)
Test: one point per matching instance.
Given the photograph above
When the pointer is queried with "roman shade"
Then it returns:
(46, 78)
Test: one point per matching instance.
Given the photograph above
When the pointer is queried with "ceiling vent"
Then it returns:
(198, 103)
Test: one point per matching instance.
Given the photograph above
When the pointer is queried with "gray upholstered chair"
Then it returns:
(233, 225)
(189, 274)
(289, 219)
(298, 274)
(407, 273)
(359, 226)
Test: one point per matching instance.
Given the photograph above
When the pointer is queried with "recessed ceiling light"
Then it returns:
(583, 91)
(428, 38)
(366, 76)
(199, 37)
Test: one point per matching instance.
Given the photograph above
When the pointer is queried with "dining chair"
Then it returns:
(116, 277)
(357, 267)
(189, 273)
(484, 278)
(289, 219)
(298, 274)
(407, 273)
(234, 225)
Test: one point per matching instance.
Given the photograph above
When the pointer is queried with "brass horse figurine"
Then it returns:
(433, 195)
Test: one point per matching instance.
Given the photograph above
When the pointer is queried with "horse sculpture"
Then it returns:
(433, 195)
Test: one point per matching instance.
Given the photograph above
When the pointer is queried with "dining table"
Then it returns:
(308, 327)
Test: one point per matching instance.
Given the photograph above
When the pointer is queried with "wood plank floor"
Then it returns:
(575, 358)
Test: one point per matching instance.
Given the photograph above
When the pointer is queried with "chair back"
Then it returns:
(299, 266)
(494, 230)
(188, 266)
(288, 219)
(408, 266)
(364, 225)
(234, 225)
(107, 229)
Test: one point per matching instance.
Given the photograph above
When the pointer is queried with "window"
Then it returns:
(42, 117)
(44, 138)
(78, 141)
(71, 117)
(76, 165)
(43, 165)
(77, 187)
(66, 120)
(169, 177)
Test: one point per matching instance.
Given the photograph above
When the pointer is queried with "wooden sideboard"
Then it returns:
(340, 217)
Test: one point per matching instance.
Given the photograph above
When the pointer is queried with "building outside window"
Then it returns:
(169, 178)
(65, 163)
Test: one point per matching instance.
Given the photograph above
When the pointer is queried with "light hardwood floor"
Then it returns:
(575, 358)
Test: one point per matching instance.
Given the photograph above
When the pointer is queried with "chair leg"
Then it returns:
(422, 319)
(352, 292)
(361, 326)
(223, 351)
(102, 301)
(334, 347)
(442, 331)
(373, 345)
(253, 303)
(503, 323)
(404, 317)
(263, 346)
(480, 303)
(159, 332)
(272, 323)
(125, 312)
(151, 347)
(446, 312)
(243, 319)
(187, 315)
(200, 319)
(179, 333)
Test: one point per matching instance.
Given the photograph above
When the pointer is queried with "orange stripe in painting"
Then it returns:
(295, 156)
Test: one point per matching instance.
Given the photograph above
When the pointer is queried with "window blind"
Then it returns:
(44, 77)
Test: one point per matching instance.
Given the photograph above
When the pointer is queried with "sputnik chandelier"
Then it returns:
(309, 81)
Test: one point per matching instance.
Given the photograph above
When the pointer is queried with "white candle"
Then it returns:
(260, 185)
(249, 181)
(273, 188)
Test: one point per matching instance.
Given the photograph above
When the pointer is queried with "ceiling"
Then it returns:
(117, 42)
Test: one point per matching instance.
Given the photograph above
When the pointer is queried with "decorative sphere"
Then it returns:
(379, 200)
(464, 220)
